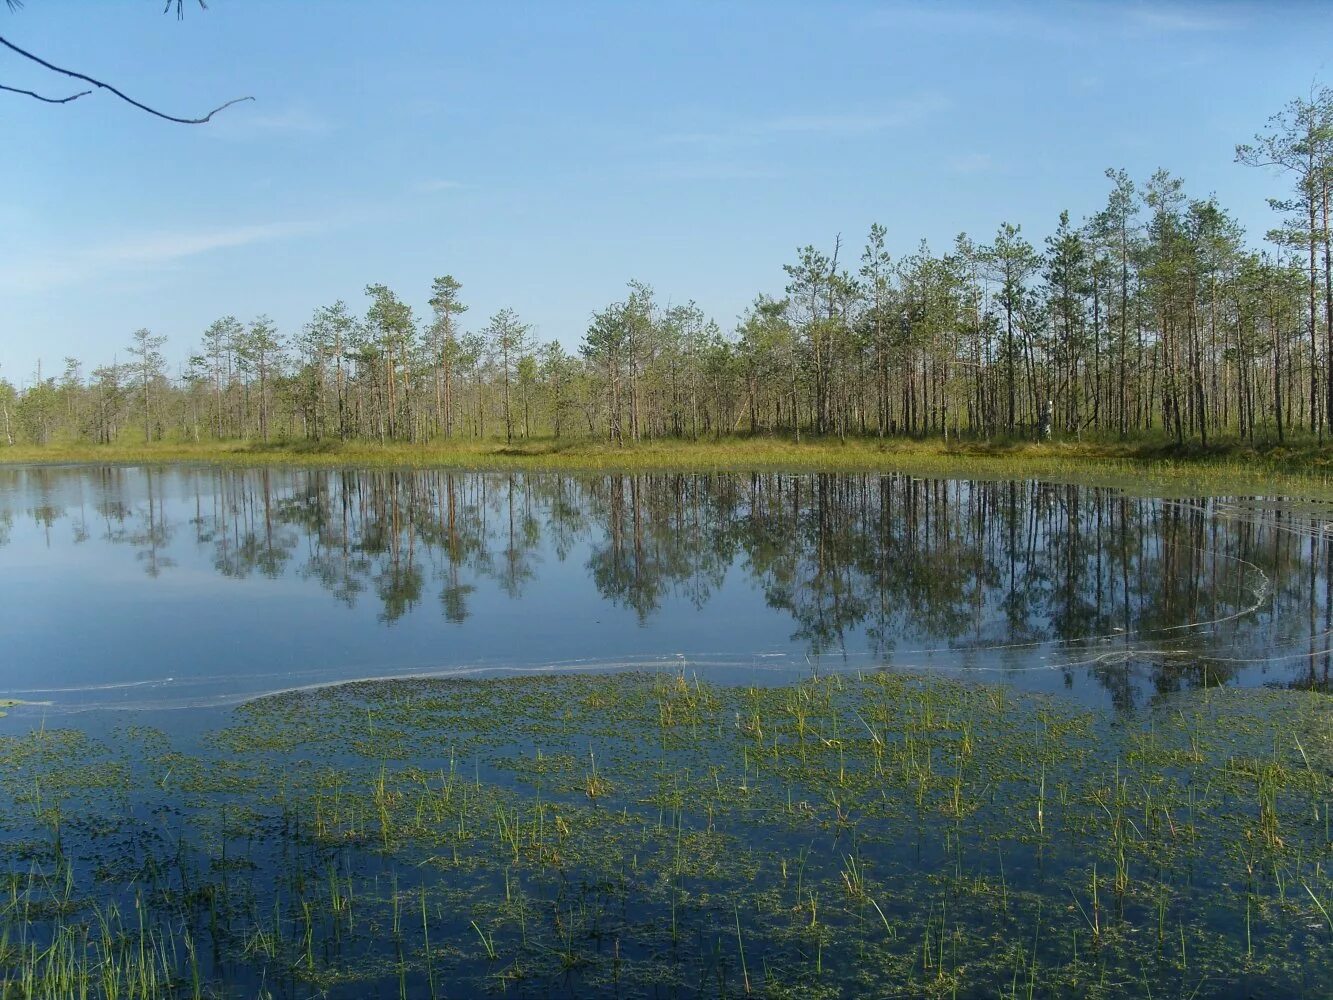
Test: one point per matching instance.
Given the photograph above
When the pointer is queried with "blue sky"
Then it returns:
(546, 153)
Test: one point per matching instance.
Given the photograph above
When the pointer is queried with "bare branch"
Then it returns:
(47, 100)
(106, 86)
(180, 4)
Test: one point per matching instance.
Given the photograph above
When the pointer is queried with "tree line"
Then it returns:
(1151, 317)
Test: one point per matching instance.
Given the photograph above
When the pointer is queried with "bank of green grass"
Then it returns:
(1148, 463)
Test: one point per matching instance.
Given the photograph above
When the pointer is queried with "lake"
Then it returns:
(193, 586)
(309, 732)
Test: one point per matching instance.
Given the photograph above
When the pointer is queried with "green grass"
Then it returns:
(1147, 462)
(885, 834)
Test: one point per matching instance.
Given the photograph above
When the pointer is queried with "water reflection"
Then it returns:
(1022, 578)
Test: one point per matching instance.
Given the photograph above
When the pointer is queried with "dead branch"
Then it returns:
(47, 100)
(72, 74)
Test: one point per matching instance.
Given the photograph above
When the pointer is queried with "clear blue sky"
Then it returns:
(545, 153)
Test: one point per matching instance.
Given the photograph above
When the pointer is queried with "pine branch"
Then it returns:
(106, 86)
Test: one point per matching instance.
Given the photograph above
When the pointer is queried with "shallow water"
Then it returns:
(141, 587)
(1065, 783)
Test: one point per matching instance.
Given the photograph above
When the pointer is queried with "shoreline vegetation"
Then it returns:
(661, 834)
(1153, 318)
(1302, 465)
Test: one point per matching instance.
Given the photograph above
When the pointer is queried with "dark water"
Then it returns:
(135, 587)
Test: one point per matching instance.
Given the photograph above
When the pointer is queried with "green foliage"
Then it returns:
(1150, 318)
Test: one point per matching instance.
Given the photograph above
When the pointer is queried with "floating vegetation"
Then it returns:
(656, 834)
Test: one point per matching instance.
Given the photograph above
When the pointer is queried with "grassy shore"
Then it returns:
(1153, 463)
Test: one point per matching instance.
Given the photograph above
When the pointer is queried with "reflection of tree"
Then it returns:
(145, 528)
(324, 518)
(657, 536)
(461, 541)
(523, 534)
(398, 586)
(246, 527)
(885, 561)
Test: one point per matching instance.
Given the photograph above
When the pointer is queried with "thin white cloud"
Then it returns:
(150, 250)
(1171, 19)
(715, 172)
(951, 19)
(897, 114)
(437, 184)
(159, 248)
(1068, 23)
(969, 163)
(294, 121)
(902, 113)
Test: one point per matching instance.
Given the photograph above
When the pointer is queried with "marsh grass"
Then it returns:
(885, 834)
(1302, 467)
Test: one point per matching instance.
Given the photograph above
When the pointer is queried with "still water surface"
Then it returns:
(155, 588)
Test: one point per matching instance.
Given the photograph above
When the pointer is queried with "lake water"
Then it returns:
(668, 736)
(138, 587)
